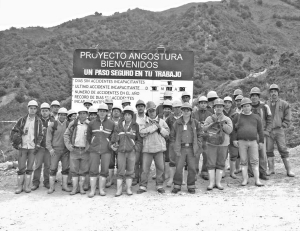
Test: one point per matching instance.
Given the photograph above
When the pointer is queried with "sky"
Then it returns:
(25, 13)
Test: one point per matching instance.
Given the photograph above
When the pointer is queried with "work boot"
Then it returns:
(140, 191)
(135, 182)
(176, 190)
(75, 186)
(93, 182)
(238, 166)
(288, 167)
(128, 186)
(245, 175)
(219, 173)
(204, 175)
(256, 176)
(184, 175)
(27, 188)
(52, 184)
(161, 190)
(109, 179)
(232, 170)
(172, 173)
(271, 161)
(224, 173)
(34, 187)
(167, 171)
(65, 183)
(263, 176)
(119, 187)
(69, 179)
(20, 184)
(86, 183)
(212, 179)
(81, 183)
(102, 181)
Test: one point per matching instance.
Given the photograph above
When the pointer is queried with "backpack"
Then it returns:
(55, 124)
(215, 134)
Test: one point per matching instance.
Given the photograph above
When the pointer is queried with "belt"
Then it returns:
(80, 148)
(186, 144)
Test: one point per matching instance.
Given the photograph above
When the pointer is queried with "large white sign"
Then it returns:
(133, 75)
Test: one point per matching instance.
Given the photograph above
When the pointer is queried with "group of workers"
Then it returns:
(94, 143)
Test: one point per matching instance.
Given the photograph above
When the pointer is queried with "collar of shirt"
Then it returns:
(123, 123)
(153, 120)
(245, 113)
(61, 123)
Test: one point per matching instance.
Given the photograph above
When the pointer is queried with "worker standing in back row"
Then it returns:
(42, 156)
(281, 118)
(160, 108)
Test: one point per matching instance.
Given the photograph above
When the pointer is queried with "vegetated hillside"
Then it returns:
(230, 40)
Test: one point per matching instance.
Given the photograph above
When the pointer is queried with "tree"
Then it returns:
(98, 14)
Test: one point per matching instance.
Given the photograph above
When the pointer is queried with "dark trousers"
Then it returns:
(138, 167)
(41, 157)
(187, 156)
(216, 157)
(95, 163)
(113, 160)
(277, 136)
(126, 162)
(25, 161)
(159, 166)
(62, 156)
(79, 162)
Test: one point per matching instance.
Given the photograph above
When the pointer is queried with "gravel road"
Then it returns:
(273, 207)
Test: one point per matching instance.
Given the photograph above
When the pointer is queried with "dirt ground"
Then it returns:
(273, 207)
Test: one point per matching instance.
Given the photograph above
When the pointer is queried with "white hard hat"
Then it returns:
(212, 94)
(168, 94)
(62, 110)
(128, 108)
(185, 93)
(55, 103)
(70, 112)
(45, 105)
(228, 98)
(177, 103)
(186, 105)
(93, 110)
(239, 97)
(87, 101)
(167, 103)
(150, 105)
(103, 106)
(202, 99)
(32, 103)
(83, 109)
(116, 107)
(125, 101)
(108, 100)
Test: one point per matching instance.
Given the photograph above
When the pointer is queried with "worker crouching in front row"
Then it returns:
(186, 139)
(75, 141)
(98, 135)
(218, 127)
(126, 140)
(154, 144)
